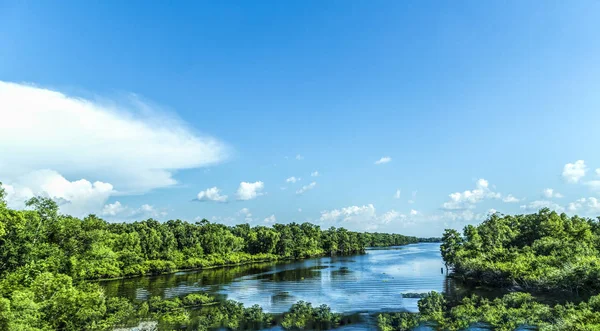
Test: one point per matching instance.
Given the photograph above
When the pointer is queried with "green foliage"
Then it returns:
(510, 312)
(46, 259)
(542, 251)
(303, 316)
(196, 299)
(397, 321)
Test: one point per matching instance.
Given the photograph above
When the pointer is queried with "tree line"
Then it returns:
(507, 313)
(544, 251)
(539, 252)
(46, 258)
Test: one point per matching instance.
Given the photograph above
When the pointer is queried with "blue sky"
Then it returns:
(148, 104)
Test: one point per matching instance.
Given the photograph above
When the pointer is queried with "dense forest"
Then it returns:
(541, 252)
(48, 261)
(507, 313)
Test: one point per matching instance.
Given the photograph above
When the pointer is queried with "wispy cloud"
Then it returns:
(292, 179)
(306, 188)
(383, 160)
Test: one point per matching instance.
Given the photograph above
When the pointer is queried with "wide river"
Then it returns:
(369, 282)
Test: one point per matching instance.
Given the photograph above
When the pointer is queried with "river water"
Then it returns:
(369, 282)
(361, 284)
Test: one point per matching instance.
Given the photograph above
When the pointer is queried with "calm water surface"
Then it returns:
(371, 282)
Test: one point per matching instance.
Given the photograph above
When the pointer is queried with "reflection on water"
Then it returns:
(363, 283)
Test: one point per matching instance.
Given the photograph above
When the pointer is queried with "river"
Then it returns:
(366, 283)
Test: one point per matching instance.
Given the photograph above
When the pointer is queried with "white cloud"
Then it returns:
(352, 214)
(121, 212)
(271, 219)
(492, 211)
(550, 193)
(306, 188)
(383, 160)
(587, 206)
(133, 147)
(397, 194)
(360, 218)
(413, 212)
(314, 174)
(249, 191)
(510, 199)
(468, 199)
(539, 204)
(299, 157)
(292, 179)
(245, 213)
(391, 216)
(598, 171)
(299, 210)
(463, 215)
(573, 172)
(78, 198)
(211, 194)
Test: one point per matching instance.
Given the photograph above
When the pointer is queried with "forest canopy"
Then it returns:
(542, 251)
(47, 259)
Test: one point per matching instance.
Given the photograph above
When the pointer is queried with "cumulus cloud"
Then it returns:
(390, 216)
(119, 211)
(573, 172)
(383, 160)
(270, 220)
(211, 194)
(539, 204)
(78, 198)
(306, 188)
(299, 157)
(586, 206)
(361, 218)
(510, 199)
(292, 180)
(413, 212)
(598, 171)
(551, 193)
(96, 148)
(468, 199)
(136, 148)
(249, 191)
(397, 194)
(245, 213)
(314, 174)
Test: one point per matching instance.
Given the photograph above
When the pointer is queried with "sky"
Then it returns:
(392, 116)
